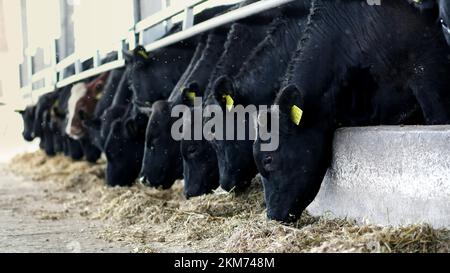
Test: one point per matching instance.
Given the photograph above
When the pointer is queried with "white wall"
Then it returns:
(11, 141)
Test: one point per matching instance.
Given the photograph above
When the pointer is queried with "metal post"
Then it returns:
(168, 22)
(134, 37)
(78, 67)
(188, 21)
(53, 62)
(97, 58)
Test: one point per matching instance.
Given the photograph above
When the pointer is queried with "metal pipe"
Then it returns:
(226, 18)
(90, 73)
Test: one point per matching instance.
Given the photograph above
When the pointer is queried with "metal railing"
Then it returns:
(54, 76)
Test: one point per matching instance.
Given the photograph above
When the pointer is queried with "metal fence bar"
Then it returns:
(66, 62)
(90, 73)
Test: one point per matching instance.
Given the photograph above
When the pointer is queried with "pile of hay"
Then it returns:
(161, 221)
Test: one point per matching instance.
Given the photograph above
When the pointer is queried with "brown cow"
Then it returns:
(82, 103)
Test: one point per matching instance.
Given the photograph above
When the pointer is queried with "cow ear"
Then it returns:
(291, 103)
(224, 92)
(190, 93)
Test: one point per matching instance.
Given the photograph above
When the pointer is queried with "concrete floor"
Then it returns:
(22, 231)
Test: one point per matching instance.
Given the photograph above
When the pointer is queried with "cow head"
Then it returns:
(235, 158)
(82, 104)
(292, 174)
(162, 163)
(200, 169)
(124, 151)
(28, 116)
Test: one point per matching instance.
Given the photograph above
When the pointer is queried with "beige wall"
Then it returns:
(9, 60)
(10, 122)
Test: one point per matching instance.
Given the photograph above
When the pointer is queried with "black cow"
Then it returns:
(41, 126)
(357, 65)
(161, 112)
(122, 144)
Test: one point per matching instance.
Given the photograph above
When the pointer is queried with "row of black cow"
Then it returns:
(339, 63)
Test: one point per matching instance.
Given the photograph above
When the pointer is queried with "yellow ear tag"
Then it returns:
(191, 96)
(99, 96)
(143, 54)
(229, 102)
(296, 114)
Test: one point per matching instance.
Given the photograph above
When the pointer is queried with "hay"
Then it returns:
(162, 221)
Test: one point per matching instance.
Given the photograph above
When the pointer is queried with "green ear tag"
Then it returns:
(143, 54)
(229, 102)
(191, 96)
(296, 114)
